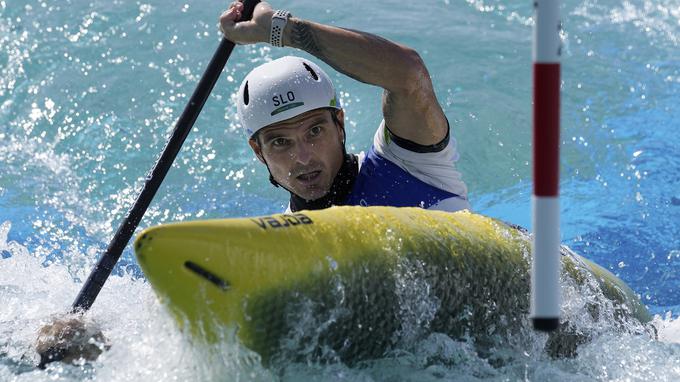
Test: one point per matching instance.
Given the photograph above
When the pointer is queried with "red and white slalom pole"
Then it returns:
(545, 288)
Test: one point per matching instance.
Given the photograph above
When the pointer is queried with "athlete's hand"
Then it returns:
(247, 32)
(73, 335)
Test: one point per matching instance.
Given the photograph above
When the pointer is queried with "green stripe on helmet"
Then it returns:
(287, 107)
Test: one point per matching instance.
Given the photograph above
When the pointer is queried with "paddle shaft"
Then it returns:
(105, 265)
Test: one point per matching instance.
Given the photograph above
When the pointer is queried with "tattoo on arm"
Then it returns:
(303, 38)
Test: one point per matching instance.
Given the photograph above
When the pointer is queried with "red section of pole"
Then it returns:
(546, 137)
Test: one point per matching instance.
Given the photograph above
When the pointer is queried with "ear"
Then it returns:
(256, 149)
(340, 114)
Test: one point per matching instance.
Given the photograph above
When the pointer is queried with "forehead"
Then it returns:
(302, 120)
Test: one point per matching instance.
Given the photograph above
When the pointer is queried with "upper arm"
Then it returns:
(410, 107)
(411, 110)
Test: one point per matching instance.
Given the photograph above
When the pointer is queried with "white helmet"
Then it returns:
(283, 89)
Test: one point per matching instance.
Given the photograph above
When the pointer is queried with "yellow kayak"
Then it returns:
(353, 281)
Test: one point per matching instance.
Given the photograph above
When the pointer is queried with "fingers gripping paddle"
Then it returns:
(105, 265)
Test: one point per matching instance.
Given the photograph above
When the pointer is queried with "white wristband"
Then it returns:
(279, 20)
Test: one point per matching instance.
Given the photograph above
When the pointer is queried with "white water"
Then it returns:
(146, 344)
(90, 89)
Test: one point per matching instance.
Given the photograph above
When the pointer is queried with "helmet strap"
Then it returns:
(271, 177)
(272, 180)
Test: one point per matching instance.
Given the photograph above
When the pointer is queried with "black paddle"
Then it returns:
(105, 265)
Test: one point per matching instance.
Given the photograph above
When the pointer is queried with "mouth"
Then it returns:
(308, 177)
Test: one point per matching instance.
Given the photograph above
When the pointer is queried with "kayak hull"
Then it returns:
(351, 283)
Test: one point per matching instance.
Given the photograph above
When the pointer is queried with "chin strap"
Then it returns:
(272, 180)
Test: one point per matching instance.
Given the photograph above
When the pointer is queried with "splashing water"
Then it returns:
(90, 91)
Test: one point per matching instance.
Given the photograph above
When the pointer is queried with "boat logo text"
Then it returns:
(282, 221)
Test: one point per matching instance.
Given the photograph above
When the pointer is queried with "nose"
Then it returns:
(303, 152)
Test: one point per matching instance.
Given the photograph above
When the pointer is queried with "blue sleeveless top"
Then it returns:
(382, 183)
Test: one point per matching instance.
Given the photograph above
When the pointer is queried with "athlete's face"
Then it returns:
(304, 153)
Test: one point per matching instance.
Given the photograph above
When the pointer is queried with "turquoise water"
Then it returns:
(90, 90)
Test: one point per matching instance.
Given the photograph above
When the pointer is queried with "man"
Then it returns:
(295, 125)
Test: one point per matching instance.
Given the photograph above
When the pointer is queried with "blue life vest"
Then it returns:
(382, 183)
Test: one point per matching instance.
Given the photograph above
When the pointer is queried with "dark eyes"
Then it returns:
(316, 130)
(279, 142)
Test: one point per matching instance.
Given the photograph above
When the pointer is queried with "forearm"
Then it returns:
(362, 56)
(410, 107)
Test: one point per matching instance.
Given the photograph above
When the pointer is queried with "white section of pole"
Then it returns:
(545, 271)
(547, 27)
